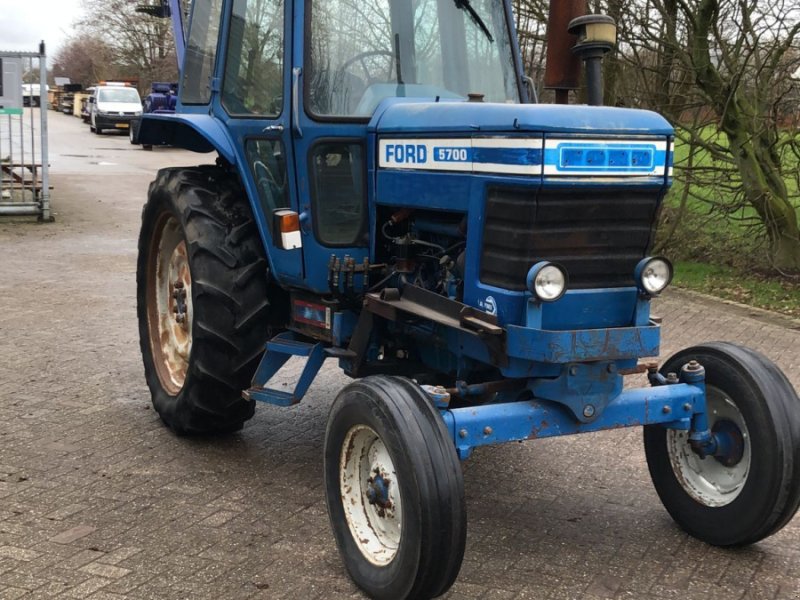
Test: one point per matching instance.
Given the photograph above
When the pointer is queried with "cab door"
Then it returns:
(253, 103)
(330, 154)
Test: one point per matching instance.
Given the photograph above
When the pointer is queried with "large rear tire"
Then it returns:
(394, 489)
(202, 299)
(754, 491)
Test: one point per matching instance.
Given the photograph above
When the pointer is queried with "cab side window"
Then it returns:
(338, 193)
(201, 51)
(254, 63)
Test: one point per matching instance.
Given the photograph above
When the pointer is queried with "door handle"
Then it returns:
(297, 72)
(277, 128)
(304, 221)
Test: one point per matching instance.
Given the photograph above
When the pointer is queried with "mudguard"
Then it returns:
(195, 132)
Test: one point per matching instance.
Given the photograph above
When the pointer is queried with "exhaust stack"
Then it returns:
(563, 69)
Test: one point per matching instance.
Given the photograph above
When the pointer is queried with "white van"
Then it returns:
(112, 106)
(31, 94)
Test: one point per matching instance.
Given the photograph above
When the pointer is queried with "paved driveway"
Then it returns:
(98, 500)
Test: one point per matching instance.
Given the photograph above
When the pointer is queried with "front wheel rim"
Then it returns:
(710, 481)
(169, 304)
(370, 494)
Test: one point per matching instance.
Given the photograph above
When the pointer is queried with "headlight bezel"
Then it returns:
(537, 287)
(641, 272)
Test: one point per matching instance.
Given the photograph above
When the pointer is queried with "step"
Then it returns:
(284, 344)
(276, 397)
(279, 350)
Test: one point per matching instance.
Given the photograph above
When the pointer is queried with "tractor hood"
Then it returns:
(576, 185)
(523, 139)
(398, 116)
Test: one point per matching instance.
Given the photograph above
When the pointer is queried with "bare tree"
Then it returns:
(85, 59)
(143, 46)
(720, 70)
(531, 22)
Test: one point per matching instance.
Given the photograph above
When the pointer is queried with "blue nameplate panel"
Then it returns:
(513, 156)
(597, 158)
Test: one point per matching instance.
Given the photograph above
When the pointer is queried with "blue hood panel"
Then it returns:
(403, 116)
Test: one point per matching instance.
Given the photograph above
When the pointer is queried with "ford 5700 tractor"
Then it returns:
(387, 194)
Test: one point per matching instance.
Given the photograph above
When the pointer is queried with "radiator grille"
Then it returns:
(597, 235)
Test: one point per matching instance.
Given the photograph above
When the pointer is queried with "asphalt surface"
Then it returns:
(99, 500)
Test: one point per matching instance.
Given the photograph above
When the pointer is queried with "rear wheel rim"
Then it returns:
(169, 303)
(370, 495)
(708, 480)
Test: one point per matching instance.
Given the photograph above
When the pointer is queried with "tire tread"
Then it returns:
(223, 245)
(780, 408)
(415, 422)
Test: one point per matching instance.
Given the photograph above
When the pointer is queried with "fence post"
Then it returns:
(43, 101)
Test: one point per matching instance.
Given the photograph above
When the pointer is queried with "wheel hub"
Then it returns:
(179, 307)
(370, 495)
(378, 490)
(730, 442)
(718, 479)
(170, 304)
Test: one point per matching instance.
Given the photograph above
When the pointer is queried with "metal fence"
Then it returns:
(24, 168)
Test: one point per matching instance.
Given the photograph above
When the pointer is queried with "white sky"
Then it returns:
(24, 23)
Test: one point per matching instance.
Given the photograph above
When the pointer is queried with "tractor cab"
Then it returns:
(294, 87)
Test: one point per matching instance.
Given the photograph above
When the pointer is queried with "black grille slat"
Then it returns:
(601, 208)
(583, 241)
(597, 235)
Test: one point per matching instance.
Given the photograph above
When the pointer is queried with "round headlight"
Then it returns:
(653, 275)
(547, 281)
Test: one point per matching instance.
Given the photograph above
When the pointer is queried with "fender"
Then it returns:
(195, 132)
(203, 133)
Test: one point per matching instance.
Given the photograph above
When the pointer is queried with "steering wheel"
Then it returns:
(362, 60)
(266, 182)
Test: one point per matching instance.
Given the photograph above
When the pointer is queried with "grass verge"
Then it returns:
(747, 288)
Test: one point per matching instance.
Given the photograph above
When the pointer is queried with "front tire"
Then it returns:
(201, 299)
(394, 489)
(755, 491)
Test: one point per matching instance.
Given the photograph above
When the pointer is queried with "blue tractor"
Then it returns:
(388, 194)
(162, 99)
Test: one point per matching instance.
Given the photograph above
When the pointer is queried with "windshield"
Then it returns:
(118, 95)
(362, 52)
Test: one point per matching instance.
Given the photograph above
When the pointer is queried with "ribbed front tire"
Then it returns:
(394, 489)
(751, 494)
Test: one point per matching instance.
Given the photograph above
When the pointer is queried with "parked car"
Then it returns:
(113, 106)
